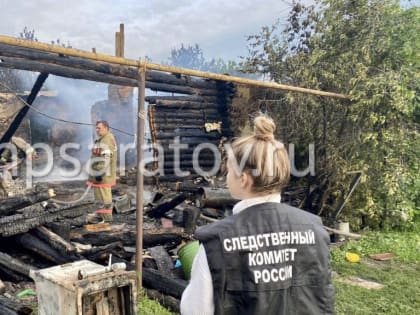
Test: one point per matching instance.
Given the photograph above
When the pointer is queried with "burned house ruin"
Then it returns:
(196, 111)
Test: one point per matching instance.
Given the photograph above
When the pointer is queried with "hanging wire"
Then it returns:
(72, 201)
(58, 119)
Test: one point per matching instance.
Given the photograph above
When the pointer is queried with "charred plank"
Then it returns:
(159, 210)
(37, 246)
(192, 98)
(54, 240)
(154, 279)
(151, 237)
(15, 307)
(20, 223)
(214, 198)
(14, 264)
(10, 205)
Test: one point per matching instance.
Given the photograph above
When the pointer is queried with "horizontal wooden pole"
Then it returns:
(212, 117)
(64, 71)
(103, 67)
(180, 89)
(195, 111)
(76, 73)
(191, 98)
(181, 133)
(186, 104)
(153, 66)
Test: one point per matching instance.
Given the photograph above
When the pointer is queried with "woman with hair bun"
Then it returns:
(268, 257)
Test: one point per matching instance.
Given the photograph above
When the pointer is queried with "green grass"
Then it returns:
(147, 306)
(401, 276)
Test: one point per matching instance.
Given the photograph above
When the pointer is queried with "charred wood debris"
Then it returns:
(38, 232)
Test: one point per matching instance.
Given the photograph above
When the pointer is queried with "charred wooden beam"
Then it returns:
(159, 210)
(191, 215)
(4, 310)
(12, 276)
(10, 205)
(20, 223)
(127, 238)
(76, 62)
(186, 114)
(169, 153)
(162, 103)
(182, 133)
(35, 245)
(163, 77)
(214, 198)
(204, 155)
(18, 308)
(175, 178)
(65, 71)
(165, 87)
(178, 122)
(98, 251)
(190, 98)
(75, 73)
(163, 261)
(195, 112)
(179, 127)
(154, 279)
(151, 237)
(192, 142)
(14, 264)
(22, 113)
(186, 187)
(102, 67)
(188, 164)
(54, 240)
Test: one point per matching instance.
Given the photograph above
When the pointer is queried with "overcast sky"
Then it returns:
(152, 27)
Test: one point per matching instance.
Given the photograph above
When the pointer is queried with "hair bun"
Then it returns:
(264, 128)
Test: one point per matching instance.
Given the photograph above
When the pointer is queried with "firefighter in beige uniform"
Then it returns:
(103, 171)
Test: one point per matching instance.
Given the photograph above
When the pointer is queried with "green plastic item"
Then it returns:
(26, 292)
(186, 255)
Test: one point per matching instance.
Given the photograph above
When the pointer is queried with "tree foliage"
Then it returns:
(192, 57)
(369, 50)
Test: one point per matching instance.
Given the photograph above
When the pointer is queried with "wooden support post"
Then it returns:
(140, 161)
(117, 44)
(121, 40)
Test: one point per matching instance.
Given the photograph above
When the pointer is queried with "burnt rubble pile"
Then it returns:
(38, 232)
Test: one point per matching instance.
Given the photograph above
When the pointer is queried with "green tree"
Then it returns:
(368, 49)
(192, 57)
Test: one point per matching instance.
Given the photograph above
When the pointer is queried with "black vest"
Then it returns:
(269, 259)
